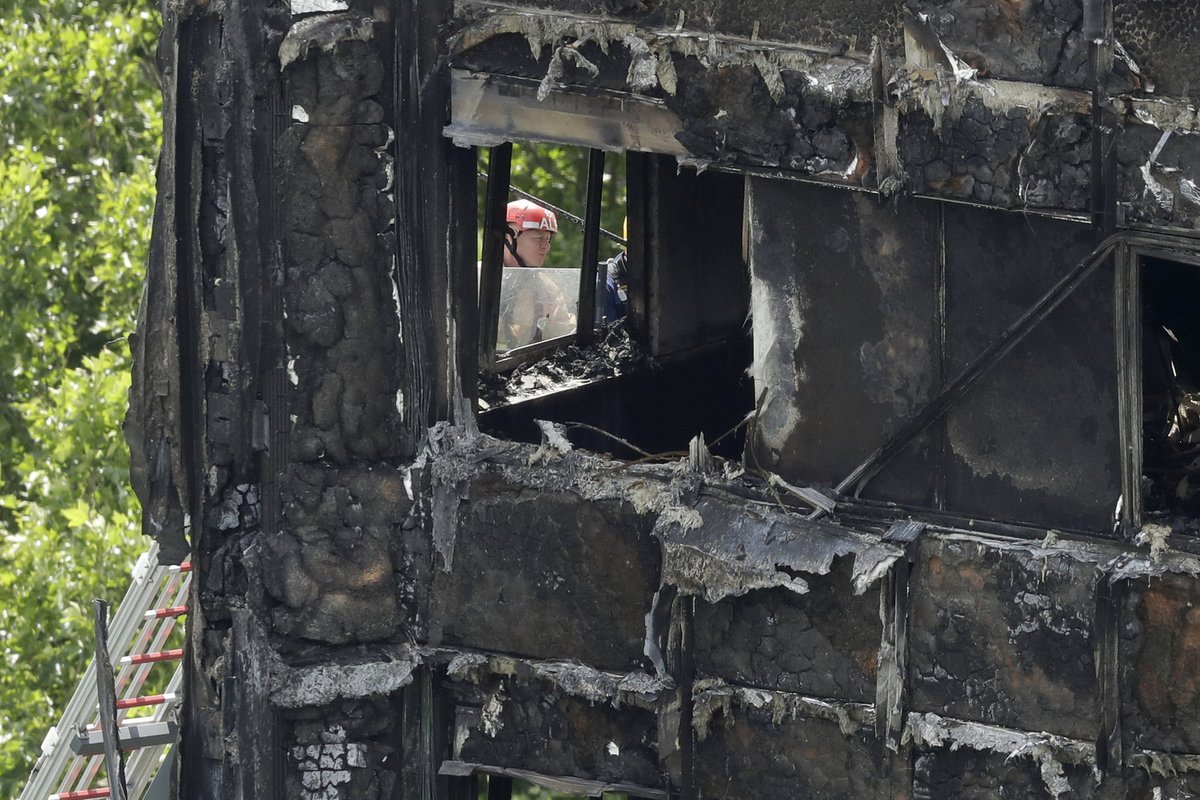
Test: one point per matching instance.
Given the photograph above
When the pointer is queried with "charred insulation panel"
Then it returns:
(1158, 180)
(510, 54)
(1162, 36)
(816, 120)
(834, 24)
(1004, 636)
(1026, 148)
(332, 568)
(1035, 42)
(845, 317)
(1036, 440)
(824, 643)
(1160, 651)
(542, 573)
(969, 774)
(756, 745)
(522, 722)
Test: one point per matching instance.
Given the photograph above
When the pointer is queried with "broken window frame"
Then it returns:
(1130, 256)
(499, 186)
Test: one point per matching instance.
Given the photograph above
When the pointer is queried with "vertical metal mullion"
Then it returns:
(463, 302)
(1097, 154)
(942, 444)
(1128, 324)
(492, 268)
(686, 688)
(636, 204)
(591, 247)
(1097, 29)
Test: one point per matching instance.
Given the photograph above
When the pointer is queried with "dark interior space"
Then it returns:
(658, 407)
(1170, 387)
(484, 786)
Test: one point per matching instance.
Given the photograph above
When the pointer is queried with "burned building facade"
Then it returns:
(911, 293)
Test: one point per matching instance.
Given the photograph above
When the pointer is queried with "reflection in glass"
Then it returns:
(536, 304)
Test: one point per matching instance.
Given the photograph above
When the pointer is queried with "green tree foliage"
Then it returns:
(79, 134)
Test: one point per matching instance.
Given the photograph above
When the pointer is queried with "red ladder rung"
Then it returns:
(86, 794)
(150, 658)
(184, 567)
(161, 613)
(146, 700)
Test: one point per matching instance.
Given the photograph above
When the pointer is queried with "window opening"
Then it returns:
(1170, 389)
(675, 365)
(548, 214)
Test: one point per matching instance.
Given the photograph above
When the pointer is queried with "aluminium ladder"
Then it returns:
(72, 757)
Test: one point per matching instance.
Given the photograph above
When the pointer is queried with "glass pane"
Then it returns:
(536, 304)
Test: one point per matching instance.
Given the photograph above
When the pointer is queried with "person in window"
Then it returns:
(614, 274)
(533, 307)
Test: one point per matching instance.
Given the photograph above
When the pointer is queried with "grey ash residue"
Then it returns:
(614, 353)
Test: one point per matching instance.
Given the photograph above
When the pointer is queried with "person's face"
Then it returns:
(532, 247)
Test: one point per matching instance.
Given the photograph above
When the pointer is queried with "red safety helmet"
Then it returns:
(527, 216)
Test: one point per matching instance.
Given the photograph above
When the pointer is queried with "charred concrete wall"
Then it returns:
(772, 654)
(389, 604)
(968, 99)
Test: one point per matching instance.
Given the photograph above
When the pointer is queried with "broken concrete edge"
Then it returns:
(1176, 116)
(322, 684)
(1114, 560)
(1131, 566)
(1165, 765)
(454, 456)
(635, 688)
(325, 32)
(575, 787)
(839, 77)
(713, 697)
(299, 7)
(912, 89)
(697, 561)
(1050, 752)
(542, 29)
(691, 523)
(771, 548)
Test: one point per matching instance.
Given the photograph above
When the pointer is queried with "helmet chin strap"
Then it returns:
(510, 241)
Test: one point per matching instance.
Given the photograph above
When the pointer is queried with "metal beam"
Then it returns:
(486, 110)
(133, 736)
